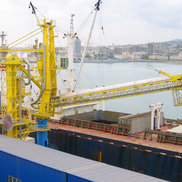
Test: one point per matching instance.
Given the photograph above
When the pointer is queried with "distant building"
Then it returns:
(117, 50)
(77, 48)
(159, 57)
(150, 48)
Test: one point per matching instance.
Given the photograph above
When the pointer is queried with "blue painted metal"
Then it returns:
(152, 161)
(155, 117)
(73, 178)
(19, 168)
(29, 162)
(42, 136)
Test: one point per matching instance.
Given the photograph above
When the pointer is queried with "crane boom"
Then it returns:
(135, 88)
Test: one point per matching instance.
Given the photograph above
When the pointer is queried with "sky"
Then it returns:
(123, 21)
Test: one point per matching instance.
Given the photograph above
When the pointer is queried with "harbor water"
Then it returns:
(103, 74)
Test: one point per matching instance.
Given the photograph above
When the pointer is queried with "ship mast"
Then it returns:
(2, 35)
(70, 38)
(3, 44)
(97, 8)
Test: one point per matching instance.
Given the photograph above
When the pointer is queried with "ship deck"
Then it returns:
(130, 139)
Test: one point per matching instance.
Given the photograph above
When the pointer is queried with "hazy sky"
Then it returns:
(124, 21)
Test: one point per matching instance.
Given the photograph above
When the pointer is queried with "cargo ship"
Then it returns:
(146, 143)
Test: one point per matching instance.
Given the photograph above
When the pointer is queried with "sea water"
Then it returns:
(103, 74)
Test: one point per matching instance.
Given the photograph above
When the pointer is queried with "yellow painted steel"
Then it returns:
(23, 50)
(14, 67)
(24, 40)
(46, 81)
(27, 128)
(177, 96)
(32, 78)
(174, 82)
(50, 69)
(13, 72)
(53, 62)
(13, 89)
(20, 39)
(45, 99)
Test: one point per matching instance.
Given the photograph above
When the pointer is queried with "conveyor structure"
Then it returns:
(148, 86)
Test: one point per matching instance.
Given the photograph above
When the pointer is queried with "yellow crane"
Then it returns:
(14, 71)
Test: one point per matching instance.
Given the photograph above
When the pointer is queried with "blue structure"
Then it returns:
(26, 162)
(155, 117)
(156, 162)
(42, 138)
